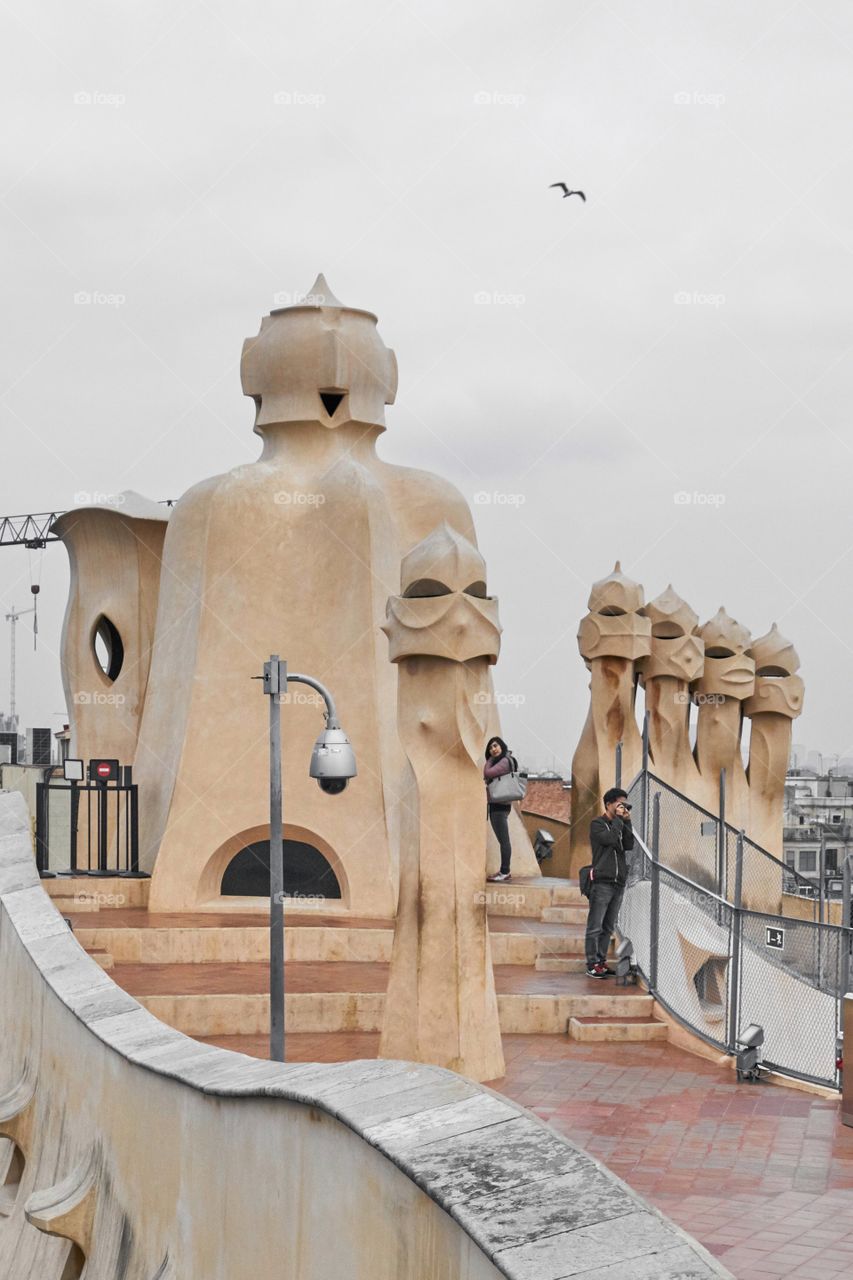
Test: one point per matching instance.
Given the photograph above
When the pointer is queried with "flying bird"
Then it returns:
(567, 192)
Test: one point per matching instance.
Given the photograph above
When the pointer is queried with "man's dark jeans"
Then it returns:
(604, 902)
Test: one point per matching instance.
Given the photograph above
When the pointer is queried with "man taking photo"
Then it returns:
(610, 836)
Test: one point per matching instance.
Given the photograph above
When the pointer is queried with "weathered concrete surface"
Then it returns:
(162, 1157)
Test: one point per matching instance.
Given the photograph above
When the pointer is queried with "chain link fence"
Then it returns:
(705, 913)
(692, 837)
(791, 985)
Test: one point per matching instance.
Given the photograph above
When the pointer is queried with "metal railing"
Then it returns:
(702, 846)
(88, 828)
(712, 960)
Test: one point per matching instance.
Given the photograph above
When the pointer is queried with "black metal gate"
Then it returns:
(88, 828)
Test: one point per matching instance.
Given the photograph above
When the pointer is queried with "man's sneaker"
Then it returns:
(594, 971)
(498, 877)
(603, 971)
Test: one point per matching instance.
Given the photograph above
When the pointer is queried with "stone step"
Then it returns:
(305, 943)
(560, 964)
(229, 999)
(248, 944)
(564, 915)
(102, 958)
(108, 892)
(529, 897)
(67, 906)
(609, 1028)
(248, 1015)
(549, 1015)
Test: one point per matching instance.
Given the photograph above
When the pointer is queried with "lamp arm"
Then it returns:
(332, 721)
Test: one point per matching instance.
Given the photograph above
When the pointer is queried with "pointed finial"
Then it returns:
(774, 654)
(320, 295)
(617, 568)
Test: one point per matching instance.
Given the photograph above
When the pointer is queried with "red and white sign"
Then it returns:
(104, 770)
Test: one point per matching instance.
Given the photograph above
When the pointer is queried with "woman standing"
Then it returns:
(499, 762)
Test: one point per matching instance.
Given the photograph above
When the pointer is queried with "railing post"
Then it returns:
(721, 839)
(41, 833)
(133, 801)
(74, 819)
(618, 782)
(654, 914)
(736, 936)
(846, 885)
(644, 779)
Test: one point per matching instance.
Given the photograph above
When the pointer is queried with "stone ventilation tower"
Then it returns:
(776, 702)
(675, 660)
(612, 638)
(443, 634)
(727, 680)
(295, 553)
(728, 677)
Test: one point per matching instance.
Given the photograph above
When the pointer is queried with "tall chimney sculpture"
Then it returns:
(443, 634)
(613, 636)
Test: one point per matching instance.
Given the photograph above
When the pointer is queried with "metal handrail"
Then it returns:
(731, 830)
(707, 893)
(830, 939)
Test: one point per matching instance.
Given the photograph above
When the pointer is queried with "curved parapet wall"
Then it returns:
(129, 1150)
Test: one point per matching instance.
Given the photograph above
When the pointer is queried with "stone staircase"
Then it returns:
(207, 974)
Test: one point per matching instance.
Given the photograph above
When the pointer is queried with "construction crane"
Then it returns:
(13, 617)
(33, 532)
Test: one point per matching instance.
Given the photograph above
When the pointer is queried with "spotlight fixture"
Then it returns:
(747, 1057)
(626, 970)
(543, 844)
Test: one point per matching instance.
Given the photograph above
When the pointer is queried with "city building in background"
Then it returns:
(818, 824)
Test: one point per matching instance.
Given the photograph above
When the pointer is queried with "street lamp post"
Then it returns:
(332, 765)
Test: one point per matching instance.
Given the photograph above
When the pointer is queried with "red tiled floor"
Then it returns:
(762, 1175)
(252, 977)
(141, 918)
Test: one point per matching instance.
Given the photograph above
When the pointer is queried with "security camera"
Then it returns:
(332, 761)
(332, 786)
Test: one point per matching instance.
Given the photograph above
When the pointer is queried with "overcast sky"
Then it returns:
(685, 332)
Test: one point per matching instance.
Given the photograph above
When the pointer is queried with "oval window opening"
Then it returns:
(109, 650)
(307, 873)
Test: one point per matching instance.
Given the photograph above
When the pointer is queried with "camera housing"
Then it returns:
(332, 761)
(332, 786)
